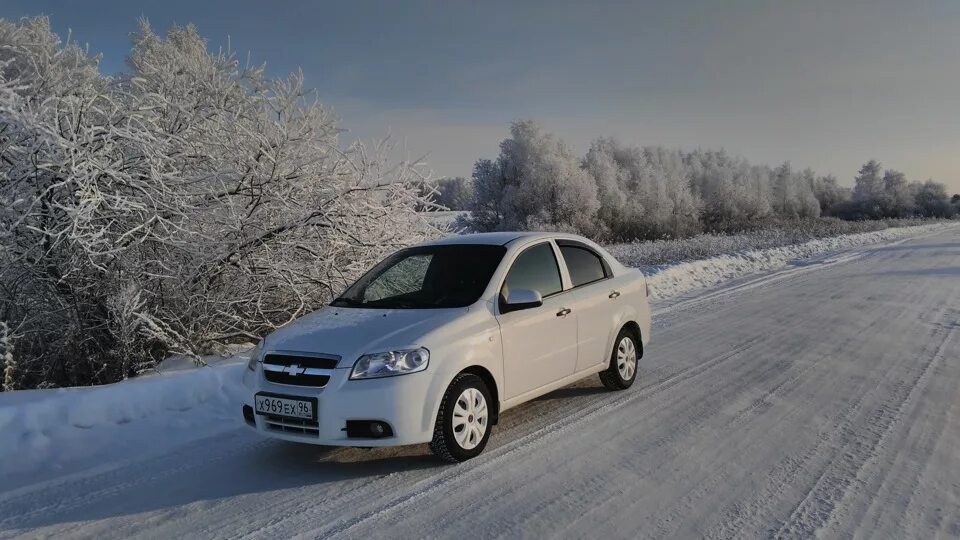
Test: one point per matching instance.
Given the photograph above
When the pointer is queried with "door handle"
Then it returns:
(614, 294)
(564, 312)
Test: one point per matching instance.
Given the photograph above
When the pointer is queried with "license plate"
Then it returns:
(290, 406)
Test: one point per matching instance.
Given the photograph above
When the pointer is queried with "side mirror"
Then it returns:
(522, 299)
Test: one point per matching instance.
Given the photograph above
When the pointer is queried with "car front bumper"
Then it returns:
(398, 401)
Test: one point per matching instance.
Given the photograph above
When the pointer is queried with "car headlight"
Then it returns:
(388, 364)
(255, 356)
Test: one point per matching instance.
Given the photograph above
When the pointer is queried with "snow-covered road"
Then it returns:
(822, 399)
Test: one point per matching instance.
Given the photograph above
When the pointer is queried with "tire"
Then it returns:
(466, 405)
(622, 370)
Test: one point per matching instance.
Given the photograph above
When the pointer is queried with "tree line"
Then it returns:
(621, 192)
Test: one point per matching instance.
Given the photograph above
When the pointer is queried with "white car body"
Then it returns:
(520, 355)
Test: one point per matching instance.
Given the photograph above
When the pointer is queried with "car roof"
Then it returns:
(496, 238)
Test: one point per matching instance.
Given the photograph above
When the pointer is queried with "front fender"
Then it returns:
(474, 341)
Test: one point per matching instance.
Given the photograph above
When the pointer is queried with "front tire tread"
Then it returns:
(443, 445)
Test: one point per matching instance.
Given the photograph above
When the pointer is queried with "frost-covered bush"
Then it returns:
(186, 203)
(771, 234)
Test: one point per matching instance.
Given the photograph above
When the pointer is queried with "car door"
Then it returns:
(593, 299)
(540, 343)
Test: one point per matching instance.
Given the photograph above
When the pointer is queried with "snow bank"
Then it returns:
(670, 281)
(48, 431)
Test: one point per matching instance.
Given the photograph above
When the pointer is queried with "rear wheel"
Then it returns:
(622, 370)
(463, 422)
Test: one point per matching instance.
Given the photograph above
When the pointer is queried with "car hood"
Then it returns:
(352, 332)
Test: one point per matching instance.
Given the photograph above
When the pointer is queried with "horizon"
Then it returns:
(771, 83)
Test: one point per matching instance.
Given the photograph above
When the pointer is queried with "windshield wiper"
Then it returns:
(345, 301)
(390, 303)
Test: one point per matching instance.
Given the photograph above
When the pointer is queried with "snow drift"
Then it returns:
(48, 431)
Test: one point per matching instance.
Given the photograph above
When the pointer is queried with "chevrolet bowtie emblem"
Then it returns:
(294, 370)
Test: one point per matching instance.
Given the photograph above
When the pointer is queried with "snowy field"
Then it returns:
(809, 389)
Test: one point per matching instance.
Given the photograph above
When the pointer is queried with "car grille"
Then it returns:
(299, 370)
(294, 426)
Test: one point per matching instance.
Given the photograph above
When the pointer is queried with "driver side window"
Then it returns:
(537, 269)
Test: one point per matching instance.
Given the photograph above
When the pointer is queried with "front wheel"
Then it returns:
(463, 422)
(622, 370)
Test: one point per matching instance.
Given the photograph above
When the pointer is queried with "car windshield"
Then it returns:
(442, 276)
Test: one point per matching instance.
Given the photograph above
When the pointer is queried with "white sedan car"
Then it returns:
(436, 341)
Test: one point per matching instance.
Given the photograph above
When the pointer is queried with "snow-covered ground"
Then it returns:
(47, 433)
(778, 398)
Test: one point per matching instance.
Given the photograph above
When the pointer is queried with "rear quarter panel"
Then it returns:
(636, 305)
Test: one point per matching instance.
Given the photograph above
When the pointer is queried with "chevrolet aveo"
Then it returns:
(435, 342)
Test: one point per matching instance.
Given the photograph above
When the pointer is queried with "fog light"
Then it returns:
(368, 429)
(248, 416)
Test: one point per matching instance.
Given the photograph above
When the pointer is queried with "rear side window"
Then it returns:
(584, 265)
(535, 268)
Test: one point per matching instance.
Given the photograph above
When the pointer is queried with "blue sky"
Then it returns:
(826, 84)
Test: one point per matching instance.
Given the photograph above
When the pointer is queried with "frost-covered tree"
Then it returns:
(898, 200)
(793, 193)
(730, 188)
(892, 196)
(455, 193)
(535, 183)
(829, 193)
(682, 207)
(868, 192)
(186, 203)
(931, 200)
(644, 192)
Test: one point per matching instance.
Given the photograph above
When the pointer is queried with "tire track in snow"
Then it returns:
(699, 413)
(841, 506)
(821, 502)
(786, 472)
(743, 416)
(789, 469)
